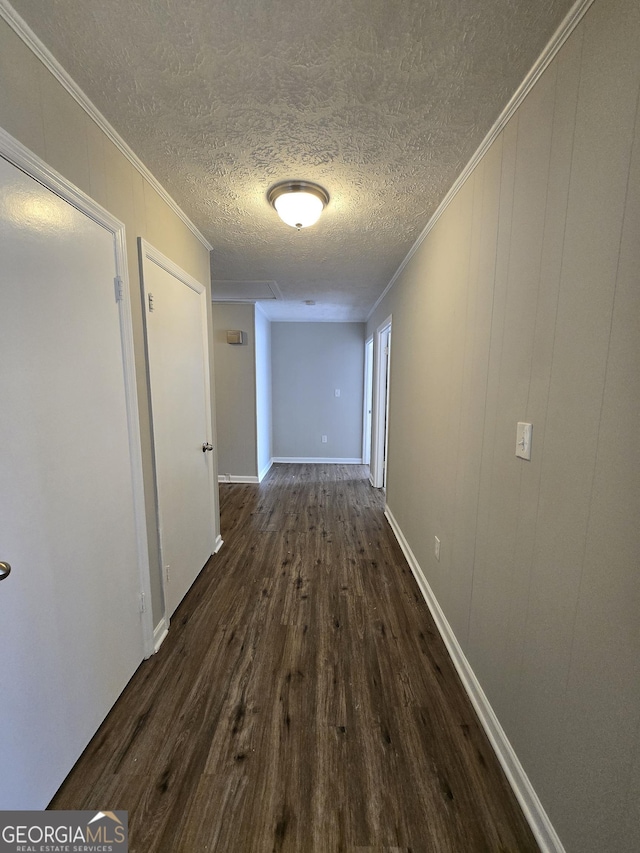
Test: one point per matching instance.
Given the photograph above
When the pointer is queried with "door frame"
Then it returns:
(149, 254)
(15, 152)
(380, 430)
(367, 415)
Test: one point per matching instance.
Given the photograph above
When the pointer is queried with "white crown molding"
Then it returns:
(532, 808)
(568, 25)
(20, 27)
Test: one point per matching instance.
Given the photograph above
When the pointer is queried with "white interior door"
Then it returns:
(70, 628)
(178, 351)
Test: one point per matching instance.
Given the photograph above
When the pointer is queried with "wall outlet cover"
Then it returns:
(523, 440)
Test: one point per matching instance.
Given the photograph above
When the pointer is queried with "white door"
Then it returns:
(70, 630)
(178, 353)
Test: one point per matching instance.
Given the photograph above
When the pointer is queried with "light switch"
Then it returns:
(523, 440)
(337, 392)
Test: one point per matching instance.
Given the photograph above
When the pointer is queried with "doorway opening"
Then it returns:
(368, 402)
(381, 379)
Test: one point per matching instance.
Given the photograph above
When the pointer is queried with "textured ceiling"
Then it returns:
(382, 102)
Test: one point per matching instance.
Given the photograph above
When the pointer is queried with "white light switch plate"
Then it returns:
(523, 440)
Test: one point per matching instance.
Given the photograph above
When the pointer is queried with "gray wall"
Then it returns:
(41, 114)
(235, 382)
(309, 361)
(263, 390)
(523, 303)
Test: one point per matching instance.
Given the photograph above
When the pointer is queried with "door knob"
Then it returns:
(5, 570)
(206, 446)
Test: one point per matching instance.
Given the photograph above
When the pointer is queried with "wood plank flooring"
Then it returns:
(303, 700)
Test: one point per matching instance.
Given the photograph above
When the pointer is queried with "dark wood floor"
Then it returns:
(303, 700)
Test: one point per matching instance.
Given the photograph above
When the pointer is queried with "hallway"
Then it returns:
(303, 700)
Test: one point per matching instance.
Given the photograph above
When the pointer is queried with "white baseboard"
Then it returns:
(262, 474)
(237, 478)
(162, 628)
(317, 460)
(533, 809)
(160, 634)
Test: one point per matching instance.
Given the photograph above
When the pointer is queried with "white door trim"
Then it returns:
(367, 419)
(15, 152)
(380, 407)
(150, 253)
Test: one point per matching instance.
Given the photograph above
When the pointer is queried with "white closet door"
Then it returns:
(178, 353)
(70, 631)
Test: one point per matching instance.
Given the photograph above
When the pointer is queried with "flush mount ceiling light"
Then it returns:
(298, 203)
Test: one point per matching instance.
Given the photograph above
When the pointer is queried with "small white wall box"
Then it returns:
(235, 336)
(523, 440)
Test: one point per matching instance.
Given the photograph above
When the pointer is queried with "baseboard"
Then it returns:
(218, 544)
(317, 460)
(237, 478)
(160, 634)
(262, 474)
(533, 809)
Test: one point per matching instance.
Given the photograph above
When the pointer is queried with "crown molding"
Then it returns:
(568, 25)
(24, 32)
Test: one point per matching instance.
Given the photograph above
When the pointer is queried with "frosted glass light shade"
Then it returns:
(298, 203)
(299, 209)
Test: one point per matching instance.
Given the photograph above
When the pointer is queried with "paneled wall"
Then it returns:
(42, 115)
(523, 304)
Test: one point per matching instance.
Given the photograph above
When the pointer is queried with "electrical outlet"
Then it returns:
(324, 439)
(436, 548)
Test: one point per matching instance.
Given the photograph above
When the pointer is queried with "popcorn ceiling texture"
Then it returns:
(382, 102)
